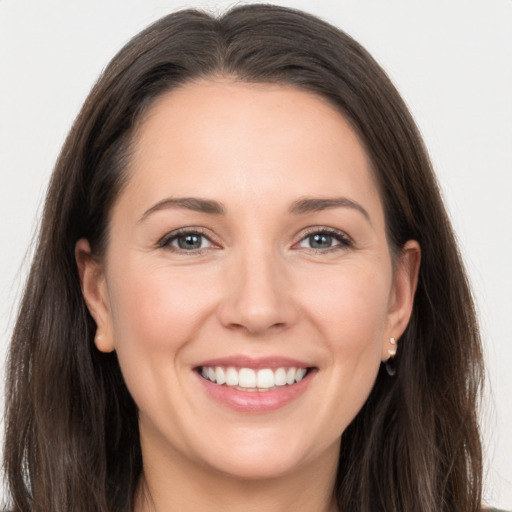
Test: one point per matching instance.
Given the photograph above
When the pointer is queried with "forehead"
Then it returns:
(259, 141)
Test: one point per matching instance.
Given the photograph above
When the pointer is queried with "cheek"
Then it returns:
(155, 314)
(352, 317)
(154, 307)
(351, 310)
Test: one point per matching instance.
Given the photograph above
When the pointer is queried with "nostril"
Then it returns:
(253, 327)
(257, 299)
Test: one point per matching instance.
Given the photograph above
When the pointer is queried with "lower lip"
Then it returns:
(256, 401)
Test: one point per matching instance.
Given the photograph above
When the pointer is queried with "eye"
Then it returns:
(186, 240)
(324, 240)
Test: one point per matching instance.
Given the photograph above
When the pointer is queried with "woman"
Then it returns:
(247, 293)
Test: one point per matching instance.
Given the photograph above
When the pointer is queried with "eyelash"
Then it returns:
(344, 240)
(167, 240)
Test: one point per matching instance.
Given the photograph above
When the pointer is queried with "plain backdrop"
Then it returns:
(450, 59)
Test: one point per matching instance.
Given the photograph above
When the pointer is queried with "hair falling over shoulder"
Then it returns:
(71, 431)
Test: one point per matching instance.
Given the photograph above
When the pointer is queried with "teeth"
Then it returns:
(253, 380)
(280, 377)
(300, 374)
(247, 378)
(231, 377)
(220, 376)
(265, 379)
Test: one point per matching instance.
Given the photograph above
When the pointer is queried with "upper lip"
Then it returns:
(241, 361)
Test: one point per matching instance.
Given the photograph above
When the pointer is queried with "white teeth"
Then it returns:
(220, 376)
(280, 377)
(265, 379)
(300, 374)
(247, 378)
(232, 377)
(253, 380)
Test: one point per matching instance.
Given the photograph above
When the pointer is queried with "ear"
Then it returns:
(94, 289)
(401, 299)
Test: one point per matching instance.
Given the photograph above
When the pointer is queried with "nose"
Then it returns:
(258, 294)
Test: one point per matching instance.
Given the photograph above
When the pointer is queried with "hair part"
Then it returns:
(71, 435)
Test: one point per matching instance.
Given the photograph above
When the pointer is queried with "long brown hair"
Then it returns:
(71, 433)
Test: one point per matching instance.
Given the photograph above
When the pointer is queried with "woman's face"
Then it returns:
(247, 287)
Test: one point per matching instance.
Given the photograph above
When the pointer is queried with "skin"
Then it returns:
(256, 288)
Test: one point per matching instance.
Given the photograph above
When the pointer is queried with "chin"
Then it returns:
(258, 467)
(260, 456)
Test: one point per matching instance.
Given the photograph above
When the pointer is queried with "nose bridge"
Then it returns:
(257, 297)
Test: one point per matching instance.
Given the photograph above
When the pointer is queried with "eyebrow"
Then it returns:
(189, 203)
(301, 206)
(314, 204)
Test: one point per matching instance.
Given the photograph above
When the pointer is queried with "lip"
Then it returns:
(256, 402)
(256, 363)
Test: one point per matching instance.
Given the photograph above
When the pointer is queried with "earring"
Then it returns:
(392, 351)
(388, 363)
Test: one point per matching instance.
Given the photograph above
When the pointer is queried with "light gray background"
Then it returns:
(451, 60)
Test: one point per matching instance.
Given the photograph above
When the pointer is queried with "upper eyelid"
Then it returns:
(168, 237)
(324, 229)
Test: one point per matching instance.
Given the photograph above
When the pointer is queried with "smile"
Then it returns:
(248, 379)
(255, 385)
